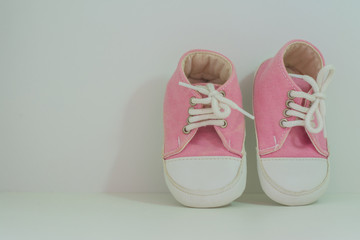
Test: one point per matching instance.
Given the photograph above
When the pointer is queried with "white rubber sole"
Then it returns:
(216, 198)
(282, 196)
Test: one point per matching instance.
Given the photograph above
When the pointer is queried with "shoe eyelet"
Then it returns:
(282, 121)
(288, 103)
(190, 108)
(185, 131)
(285, 112)
(188, 120)
(222, 93)
(289, 94)
(224, 125)
(191, 102)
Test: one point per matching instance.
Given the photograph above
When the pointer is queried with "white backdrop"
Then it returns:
(82, 83)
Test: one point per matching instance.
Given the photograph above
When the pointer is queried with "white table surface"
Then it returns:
(54, 216)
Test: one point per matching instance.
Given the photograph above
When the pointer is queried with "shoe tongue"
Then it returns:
(204, 84)
(207, 133)
(296, 133)
(301, 83)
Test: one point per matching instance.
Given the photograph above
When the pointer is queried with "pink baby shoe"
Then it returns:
(289, 109)
(204, 155)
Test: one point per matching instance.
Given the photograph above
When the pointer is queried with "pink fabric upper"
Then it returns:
(271, 87)
(200, 142)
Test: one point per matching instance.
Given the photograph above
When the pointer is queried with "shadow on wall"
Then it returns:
(138, 166)
(253, 183)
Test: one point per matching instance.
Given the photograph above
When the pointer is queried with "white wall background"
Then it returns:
(82, 83)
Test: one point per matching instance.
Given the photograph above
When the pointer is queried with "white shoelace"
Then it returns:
(317, 107)
(219, 110)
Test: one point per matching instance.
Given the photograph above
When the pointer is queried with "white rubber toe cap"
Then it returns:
(295, 176)
(202, 175)
(205, 181)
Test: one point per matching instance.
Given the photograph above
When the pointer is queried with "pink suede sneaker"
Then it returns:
(289, 109)
(204, 156)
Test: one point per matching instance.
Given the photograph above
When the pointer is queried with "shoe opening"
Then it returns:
(301, 58)
(206, 67)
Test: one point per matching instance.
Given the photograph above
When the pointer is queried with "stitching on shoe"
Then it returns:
(204, 158)
(294, 159)
(259, 73)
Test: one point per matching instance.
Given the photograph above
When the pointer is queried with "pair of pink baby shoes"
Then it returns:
(204, 156)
